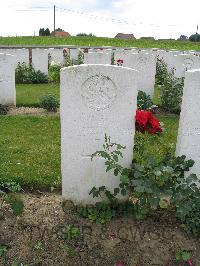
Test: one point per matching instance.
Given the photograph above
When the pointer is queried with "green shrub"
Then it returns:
(49, 102)
(3, 109)
(28, 75)
(54, 73)
(161, 71)
(144, 101)
(171, 93)
(153, 185)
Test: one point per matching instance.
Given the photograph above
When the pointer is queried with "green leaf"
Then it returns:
(123, 192)
(116, 171)
(124, 178)
(116, 191)
(17, 207)
(186, 255)
(115, 157)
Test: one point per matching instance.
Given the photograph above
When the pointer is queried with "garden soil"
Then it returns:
(36, 237)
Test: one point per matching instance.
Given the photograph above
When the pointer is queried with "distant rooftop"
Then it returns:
(125, 36)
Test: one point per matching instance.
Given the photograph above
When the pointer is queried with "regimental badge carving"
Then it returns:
(188, 63)
(99, 92)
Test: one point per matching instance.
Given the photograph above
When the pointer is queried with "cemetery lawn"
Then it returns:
(30, 148)
(29, 94)
(99, 41)
(30, 151)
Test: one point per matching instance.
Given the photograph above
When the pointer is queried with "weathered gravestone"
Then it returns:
(95, 99)
(97, 58)
(145, 63)
(188, 141)
(7, 80)
(40, 60)
(56, 55)
(20, 55)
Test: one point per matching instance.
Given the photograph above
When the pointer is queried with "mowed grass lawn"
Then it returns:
(30, 94)
(30, 148)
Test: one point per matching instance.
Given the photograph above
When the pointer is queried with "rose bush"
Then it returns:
(146, 121)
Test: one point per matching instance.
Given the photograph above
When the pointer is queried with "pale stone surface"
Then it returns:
(145, 63)
(56, 55)
(74, 53)
(20, 55)
(95, 99)
(7, 80)
(97, 58)
(188, 141)
(40, 60)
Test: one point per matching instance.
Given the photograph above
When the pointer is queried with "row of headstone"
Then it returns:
(178, 60)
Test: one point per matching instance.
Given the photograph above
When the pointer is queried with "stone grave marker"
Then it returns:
(188, 140)
(95, 99)
(97, 58)
(40, 60)
(7, 80)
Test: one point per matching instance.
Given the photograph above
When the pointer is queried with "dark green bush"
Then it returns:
(28, 75)
(161, 71)
(144, 101)
(171, 93)
(49, 102)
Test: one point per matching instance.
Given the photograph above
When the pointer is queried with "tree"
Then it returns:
(47, 32)
(41, 32)
(183, 38)
(85, 34)
(59, 29)
(195, 37)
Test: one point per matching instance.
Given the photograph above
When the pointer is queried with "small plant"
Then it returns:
(70, 251)
(54, 72)
(3, 109)
(71, 232)
(184, 256)
(8, 194)
(49, 102)
(67, 61)
(80, 58)
(103, 212)
(3, 250)
(145, 121)
(144, 101)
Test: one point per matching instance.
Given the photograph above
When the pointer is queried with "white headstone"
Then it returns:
(20, 55)
(73, 54)
(97, 58)
(40, 60)
(7, 80)
(56, 55)
(95, 99)
(145, 63)
(188, 141)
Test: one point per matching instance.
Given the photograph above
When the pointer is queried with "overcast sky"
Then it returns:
(158, 18)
